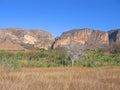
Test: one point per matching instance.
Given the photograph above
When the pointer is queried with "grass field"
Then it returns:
(104, 78)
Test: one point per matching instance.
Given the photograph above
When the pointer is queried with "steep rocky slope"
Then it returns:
(114, 35)
(91, 39)
(16, 38)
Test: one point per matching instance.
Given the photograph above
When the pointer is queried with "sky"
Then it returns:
(57, 16)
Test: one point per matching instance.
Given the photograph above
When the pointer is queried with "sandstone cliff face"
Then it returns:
(114, 35)
(17, 37)
(87, 37)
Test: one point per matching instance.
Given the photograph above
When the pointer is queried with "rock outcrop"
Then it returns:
(114, 35)
(15, 38)
(91, 39)
(18, 39)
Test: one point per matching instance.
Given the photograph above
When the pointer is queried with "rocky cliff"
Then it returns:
(16, 38)
(89, 38)
(114, 35)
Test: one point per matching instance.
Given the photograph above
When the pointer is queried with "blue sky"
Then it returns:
(57, 16)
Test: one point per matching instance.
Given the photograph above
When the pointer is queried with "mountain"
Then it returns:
(86, 38)
(89, 38)
(17, 39)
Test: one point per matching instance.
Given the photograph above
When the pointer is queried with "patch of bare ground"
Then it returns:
(61, 79)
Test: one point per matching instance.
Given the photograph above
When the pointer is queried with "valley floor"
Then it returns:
(76, 78)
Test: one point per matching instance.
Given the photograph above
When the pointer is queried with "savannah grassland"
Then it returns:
(67, 78)
(50, 70)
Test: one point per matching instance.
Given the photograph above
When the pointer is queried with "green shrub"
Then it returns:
(55, 58)
(99, 58)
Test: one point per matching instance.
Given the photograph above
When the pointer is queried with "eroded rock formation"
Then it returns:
(114, 35)
(89, 38)
(14, 38)
(17, 38)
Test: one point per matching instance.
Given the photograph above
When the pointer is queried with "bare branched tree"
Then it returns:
(74, 51)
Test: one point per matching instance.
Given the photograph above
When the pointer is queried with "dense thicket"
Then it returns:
(56, 58)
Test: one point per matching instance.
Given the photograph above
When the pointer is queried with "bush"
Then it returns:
(99, 58)
(55, 58)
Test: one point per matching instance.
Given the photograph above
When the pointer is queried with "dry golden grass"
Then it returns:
(61, 79)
